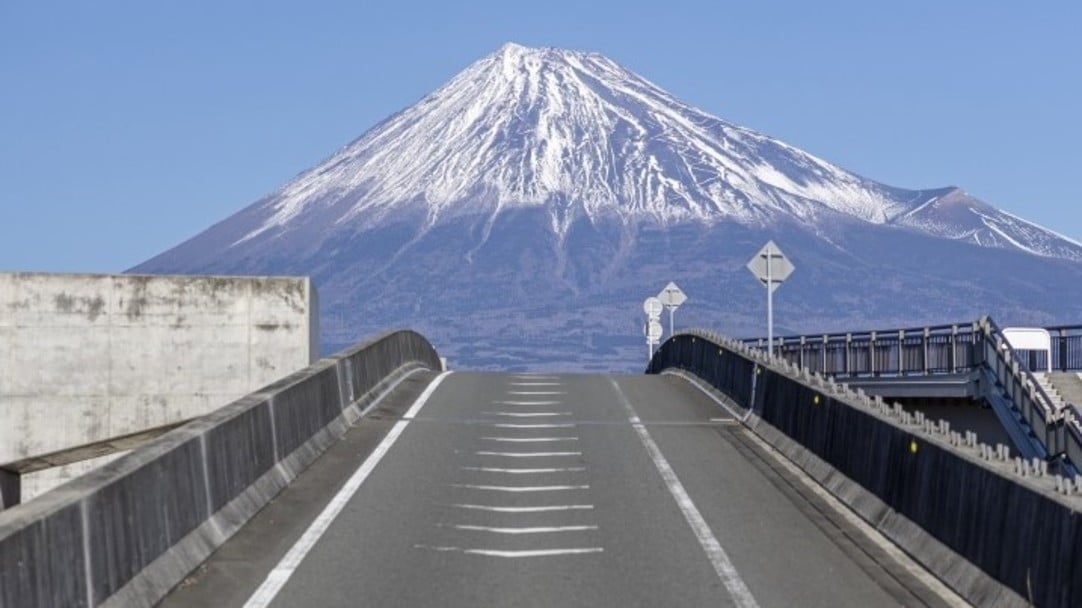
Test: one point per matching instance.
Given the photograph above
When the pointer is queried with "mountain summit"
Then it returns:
(568, 166)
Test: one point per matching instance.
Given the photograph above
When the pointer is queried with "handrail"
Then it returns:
(952, 349)
(1032, 393)
(1066, 351)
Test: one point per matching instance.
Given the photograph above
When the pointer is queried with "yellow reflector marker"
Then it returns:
(912, 446)
(815, 400)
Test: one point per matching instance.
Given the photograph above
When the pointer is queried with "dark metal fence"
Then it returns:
(956, 348)
(941, 349)
(925, 350)
(1066, 349)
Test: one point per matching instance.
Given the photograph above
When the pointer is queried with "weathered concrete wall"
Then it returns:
(125, 534)
(88, 357)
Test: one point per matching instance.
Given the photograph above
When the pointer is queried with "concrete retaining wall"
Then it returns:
(125, 534)
(995, 536)
(84, 358)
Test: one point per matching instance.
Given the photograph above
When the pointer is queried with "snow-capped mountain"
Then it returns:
(568, 170)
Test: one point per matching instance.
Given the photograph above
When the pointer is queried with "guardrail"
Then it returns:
(951, 349)
(1066, 349)
(915, 350)
(126, 533)
(1000, 530)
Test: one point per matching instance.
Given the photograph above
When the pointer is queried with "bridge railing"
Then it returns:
(909, 477)
(922, 350)
(1021, 387)
(935, 349)
(1066, 349)
(949, 349)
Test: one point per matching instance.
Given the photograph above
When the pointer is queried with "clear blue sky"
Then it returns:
(127, 127)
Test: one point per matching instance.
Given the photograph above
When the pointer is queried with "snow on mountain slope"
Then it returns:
(519, 213)
(575, 131)
(954, 214)
(580, 135)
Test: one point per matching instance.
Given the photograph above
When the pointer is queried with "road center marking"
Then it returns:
(520, 471)
(723, 566)
(470, 486)
(536, 393)
(527, 454)
(538, 509)
(266, 592)
(527, 414)
(526, 530)
(530, 439)
(513, 425)
(515, 554)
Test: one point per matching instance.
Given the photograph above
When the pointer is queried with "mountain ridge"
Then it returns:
(565, 167)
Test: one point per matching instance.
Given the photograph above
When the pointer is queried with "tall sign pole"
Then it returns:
(652, 307)
(771, 267)
(672, 297)
(769, 304)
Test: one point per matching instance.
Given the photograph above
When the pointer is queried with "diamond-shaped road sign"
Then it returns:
(779, 266)
(672, 296)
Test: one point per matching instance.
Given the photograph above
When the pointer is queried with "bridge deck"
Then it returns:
(685, 509)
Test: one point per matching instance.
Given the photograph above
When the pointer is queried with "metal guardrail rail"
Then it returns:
(918, 350)
(953, 349)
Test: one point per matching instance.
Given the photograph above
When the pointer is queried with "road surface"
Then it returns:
(474, 489)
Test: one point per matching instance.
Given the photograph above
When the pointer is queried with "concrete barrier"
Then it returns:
(127, 533)
(89, 358)
(997, 530)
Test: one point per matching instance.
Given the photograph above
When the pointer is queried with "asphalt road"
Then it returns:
(545, 490)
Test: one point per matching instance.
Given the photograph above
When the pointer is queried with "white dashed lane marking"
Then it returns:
(531, 392)
(521, 471)
(527, 414)
(513, 425)
(527, 454)
(516, 554)
(470, 486)
(530, 509)
(535, 393)
(523, 530)
(530, 439)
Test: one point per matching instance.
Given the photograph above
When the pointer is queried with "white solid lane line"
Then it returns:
(723, 566)
(470, 486)
(527, 454)
(284, 569)
(539, 509)
(530, 439)
(529, 530)
(516, 554)
(522, 471)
